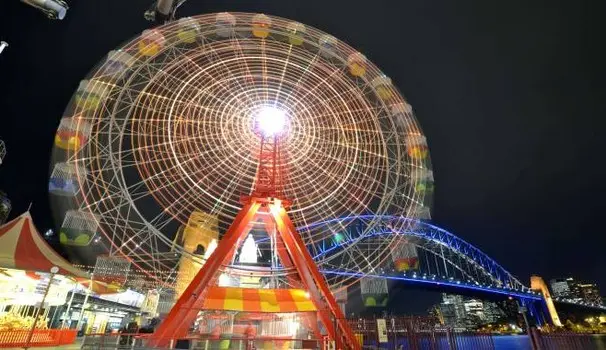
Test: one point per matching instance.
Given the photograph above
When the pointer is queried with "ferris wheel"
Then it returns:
(163, 131)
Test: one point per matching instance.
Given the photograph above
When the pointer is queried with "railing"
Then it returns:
(568, 341)
(138, 342)
(49, 337)
(415, 333)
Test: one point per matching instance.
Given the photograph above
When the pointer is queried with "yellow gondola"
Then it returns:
(260, 26)
(357, 64)
(72, 134)
(383, 87)
(405, 257)
(188, 30)
(416, 146)
(151, 42)
(296, 33)
(90, 94)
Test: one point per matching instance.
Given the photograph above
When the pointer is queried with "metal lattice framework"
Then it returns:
(443, 258)
(162, 128)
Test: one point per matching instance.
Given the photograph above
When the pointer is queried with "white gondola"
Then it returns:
(225, 23)
(72, 134)
(151, 42)
(357, 62)
(328, 45)
(422, 174)
(402, 114)
(421, 212)
(78, 229)
(112, 270)
(375, 292)
(64, 179)
(260, 26)
(296, 33)
(117, 62)
(166, 300)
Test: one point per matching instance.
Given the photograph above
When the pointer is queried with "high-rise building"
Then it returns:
(474, 313)
(590, 293)
(474, 307)
(452, 309)
(560, 287)
(576, 291)
(493, 312)
(5, 207)
(458, 311)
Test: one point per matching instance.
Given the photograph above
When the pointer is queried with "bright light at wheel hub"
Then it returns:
(270, 121)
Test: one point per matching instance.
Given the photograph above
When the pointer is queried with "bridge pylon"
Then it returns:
(537, 283)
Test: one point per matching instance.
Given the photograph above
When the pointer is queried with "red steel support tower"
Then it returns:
(266, 198)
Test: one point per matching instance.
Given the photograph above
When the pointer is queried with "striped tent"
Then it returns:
(258, 300)
(22, 248)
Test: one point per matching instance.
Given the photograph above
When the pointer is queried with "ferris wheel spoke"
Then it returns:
(242, 62)
(283, 74)
(303, 77)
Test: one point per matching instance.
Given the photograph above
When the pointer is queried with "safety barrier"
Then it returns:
(417, 333)
(48, 337)
(568, 341)
(195, 342)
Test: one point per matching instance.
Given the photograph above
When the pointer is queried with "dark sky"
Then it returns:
(510, 94)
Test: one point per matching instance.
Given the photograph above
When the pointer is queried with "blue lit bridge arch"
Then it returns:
(443, 258)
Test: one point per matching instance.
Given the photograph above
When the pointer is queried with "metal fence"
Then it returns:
(567, 340)
(401, 333)
(139, 342)
(417, 333)
(40, 337)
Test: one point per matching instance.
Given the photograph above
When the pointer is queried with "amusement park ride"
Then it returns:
(261, 128)
(268, 205)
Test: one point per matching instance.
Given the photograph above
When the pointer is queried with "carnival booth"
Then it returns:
(29, 289)
(73, 299)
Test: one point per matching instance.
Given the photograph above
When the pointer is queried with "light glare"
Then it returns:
(271, 120)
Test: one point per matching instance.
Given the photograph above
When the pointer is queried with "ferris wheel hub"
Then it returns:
(270, 121)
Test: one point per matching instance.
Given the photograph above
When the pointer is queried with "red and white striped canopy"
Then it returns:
(22, 247)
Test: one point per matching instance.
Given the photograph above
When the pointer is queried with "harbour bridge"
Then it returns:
(445, 262)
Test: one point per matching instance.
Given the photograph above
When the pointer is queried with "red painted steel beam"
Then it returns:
(183, 314)
(306, 275)
(309, 271)
(310, 319)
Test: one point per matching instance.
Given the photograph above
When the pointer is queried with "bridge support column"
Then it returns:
(537, 283)
(537, 312)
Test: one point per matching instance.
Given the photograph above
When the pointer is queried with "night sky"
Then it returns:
(510, 95)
